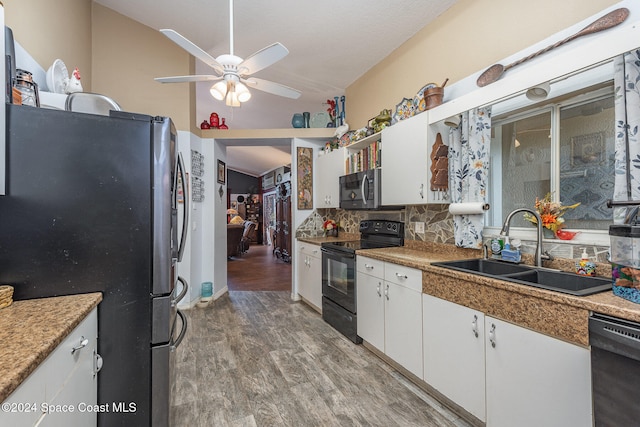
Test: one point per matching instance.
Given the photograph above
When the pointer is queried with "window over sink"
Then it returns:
(563, 146)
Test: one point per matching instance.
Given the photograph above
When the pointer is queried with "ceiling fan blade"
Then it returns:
(182, 79)
(194, 50)
(271, 87)
(262, 59)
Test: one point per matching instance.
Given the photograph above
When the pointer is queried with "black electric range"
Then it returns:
(374, 234)
(339, 272)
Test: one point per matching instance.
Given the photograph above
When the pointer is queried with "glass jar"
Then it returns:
(27, 87)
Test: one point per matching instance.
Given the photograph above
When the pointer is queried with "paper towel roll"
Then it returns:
(469, 208)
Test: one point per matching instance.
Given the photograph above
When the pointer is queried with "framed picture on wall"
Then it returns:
(305, 177)
(222, 172)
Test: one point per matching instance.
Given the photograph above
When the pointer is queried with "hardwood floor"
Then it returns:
(260, 359)
(258, 270)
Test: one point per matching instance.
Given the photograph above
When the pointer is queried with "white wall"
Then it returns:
(298, 216)
(205, 259)
(184, 267)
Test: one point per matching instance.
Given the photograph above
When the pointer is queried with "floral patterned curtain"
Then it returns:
(468, 172)
(627, 116)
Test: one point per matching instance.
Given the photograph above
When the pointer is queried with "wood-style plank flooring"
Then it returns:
(258, 270)
(260, 359)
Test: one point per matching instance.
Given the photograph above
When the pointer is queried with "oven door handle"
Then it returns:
(331, 252)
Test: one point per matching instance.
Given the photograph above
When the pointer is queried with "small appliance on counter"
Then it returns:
(625, 254)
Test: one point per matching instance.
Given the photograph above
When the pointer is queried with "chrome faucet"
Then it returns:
(505, 232)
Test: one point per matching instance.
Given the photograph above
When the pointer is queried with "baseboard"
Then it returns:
(310, 304)
(422, 385)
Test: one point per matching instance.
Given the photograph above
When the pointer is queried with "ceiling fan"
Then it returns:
(233, 72)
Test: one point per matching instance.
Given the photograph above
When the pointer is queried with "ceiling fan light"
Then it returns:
(242, 92)
(219, 90)
(232, 100)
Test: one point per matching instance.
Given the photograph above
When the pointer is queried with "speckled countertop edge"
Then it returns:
(342, 237)
(604, 302)
(31, 329)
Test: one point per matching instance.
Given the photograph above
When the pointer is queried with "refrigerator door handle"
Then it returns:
(175, 344)
(185, 287)
(185, 206)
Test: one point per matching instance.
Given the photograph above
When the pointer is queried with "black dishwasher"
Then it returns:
(615, 370)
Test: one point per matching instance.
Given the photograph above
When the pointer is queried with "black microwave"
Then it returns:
(360, 190)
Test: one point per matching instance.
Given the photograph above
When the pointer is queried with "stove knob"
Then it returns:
(388, 226)
(395, 227)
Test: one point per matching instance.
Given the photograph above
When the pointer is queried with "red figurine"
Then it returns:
(205, 125)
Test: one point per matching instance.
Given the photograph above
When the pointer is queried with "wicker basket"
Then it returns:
(6, 296)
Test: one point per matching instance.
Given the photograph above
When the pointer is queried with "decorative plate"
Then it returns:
(57, 77)
(404, 110)
(419, 101)
(319, 120)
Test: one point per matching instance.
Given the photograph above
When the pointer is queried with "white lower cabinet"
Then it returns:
(389, 308)
(453, 348)
(535, 380)
(63, 390)
(504, 374)
(370, 305)
(309, 273)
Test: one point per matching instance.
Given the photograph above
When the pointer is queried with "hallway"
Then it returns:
(258, 270)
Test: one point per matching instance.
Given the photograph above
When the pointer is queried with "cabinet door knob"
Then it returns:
(492, 335)
(378, 289)
(401, 276)
(474, 325)
(386, 292)
(421, 191)
(83, 343)
(368, 266)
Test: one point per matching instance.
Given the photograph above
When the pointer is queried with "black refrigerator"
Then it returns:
(92, 206)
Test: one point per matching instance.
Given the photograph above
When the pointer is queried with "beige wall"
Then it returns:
(127, 56)
(451, 47)
(51, 30)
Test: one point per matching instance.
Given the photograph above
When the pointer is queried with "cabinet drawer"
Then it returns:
(63, 362)
(372, 267)
(310, 249)
(404, 276)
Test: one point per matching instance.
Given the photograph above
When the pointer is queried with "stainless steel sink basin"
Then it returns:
(568, 283)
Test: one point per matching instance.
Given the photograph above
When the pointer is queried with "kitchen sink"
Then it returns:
(559, 281)
(485, 267)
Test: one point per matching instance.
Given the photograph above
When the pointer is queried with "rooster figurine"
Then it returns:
(73, 84)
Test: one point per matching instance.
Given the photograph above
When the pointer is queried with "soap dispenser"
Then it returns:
(584, 266)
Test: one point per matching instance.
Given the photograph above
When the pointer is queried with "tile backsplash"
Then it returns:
(438, 222)
(438, 227)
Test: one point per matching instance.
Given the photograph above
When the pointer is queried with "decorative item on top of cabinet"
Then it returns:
(610, 20)
(433, 96)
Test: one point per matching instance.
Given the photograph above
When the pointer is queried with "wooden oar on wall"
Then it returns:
(607, 21)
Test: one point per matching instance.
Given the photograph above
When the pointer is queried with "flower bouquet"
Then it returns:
(550, 212)
(330, 228)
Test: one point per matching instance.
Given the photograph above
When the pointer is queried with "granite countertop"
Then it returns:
(603, 302)
(31, 329)
(342, 237)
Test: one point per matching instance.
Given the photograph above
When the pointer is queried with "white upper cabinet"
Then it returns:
(329, 169)
(405, 162)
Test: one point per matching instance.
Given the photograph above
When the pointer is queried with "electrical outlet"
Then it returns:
(419, 227)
